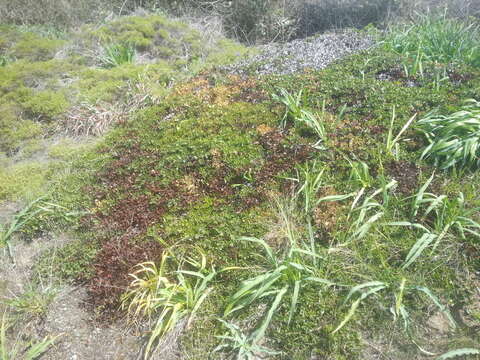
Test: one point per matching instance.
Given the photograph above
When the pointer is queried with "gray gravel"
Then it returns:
(295, 56)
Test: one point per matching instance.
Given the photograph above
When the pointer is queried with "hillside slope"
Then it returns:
(293, 215)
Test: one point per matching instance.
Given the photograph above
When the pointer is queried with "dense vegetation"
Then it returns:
(300, 216)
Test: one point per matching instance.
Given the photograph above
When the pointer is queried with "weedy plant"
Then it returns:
(239, 345)
(368, 210)
(283, 276)
(18, 349)
(4, 60)
(454, 140)
(286, 271)
(360, 173)
(310, 177)
(458, 352)
(298, 114)
(414, 66)
(442, 217)
(117, 54)
(393, 143)
(437, 39)
(33, 303)
(35, 208)
(152, 295)
(367, 290)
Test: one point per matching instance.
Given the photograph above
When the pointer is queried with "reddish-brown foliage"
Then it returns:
(113, 264)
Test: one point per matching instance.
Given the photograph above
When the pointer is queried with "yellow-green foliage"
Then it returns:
(35, 75)
(67, 149)
(46, 105)
(35, 48)
(29, 93)
(24, 181)
(15, 130)
(96, 84)
(154, 34)
(227, 51)
(158, 37)
(27, 45)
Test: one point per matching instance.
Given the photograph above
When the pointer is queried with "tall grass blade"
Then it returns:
(458, 352)
(260, 332)
(437, 302)
(418, 248)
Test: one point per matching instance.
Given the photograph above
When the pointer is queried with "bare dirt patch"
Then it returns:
(80, 336)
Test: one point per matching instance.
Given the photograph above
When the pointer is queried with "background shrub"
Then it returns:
(248, 20)
(315, 16)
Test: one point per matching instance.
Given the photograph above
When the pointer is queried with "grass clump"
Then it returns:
(399, 310)
(437, 39)
(118, 54)
(242, 346)
(454, 140)
(448, 218)
(32, 303)
(168, 304)
(4, 60)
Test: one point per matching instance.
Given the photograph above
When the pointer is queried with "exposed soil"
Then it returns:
(81, 337)
(68, 316)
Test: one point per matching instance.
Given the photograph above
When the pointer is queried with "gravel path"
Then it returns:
(312, 53)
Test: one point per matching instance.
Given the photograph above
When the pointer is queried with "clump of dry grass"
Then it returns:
(87, 119)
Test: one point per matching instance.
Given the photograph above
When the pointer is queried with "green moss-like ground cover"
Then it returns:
(204, 168)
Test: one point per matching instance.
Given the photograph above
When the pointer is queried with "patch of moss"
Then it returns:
(214, 228)
(227, 51)
(14, 130)
(25, 181)
(20, 44)
(46, 105)
(96, 84)
(68, 149)
(35, 48)
(156, 37)
(156, 34)
(44, 74)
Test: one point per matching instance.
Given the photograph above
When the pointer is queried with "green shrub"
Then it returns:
(23, 181)
(153, 34)
(14, 130)
(35, 48)
(43, 74)
(46, 105)
(4, 60)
